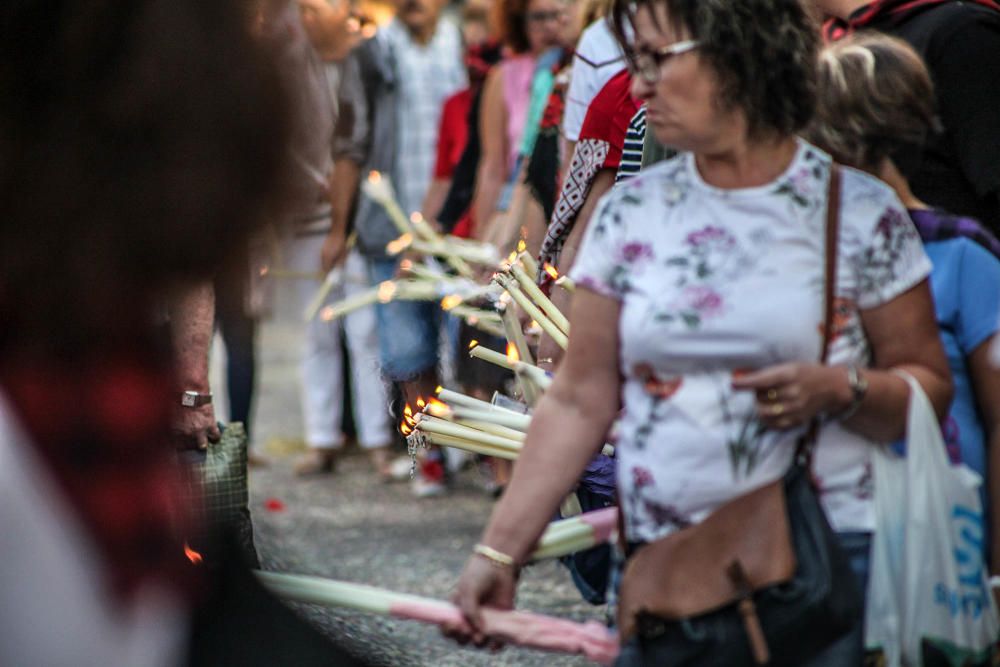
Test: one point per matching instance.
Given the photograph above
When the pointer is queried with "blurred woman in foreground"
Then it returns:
(140, 141)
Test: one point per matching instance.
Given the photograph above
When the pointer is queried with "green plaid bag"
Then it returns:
(217, 489)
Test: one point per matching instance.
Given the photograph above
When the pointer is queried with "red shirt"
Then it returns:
(453, 134)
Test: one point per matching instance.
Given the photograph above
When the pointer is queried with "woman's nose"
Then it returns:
(641, 89)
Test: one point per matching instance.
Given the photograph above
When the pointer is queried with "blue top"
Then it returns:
(966, 287)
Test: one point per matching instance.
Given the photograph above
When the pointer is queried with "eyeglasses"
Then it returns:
(647, 64)
(544, 17)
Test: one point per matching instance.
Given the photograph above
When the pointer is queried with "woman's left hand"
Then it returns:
(789, 395)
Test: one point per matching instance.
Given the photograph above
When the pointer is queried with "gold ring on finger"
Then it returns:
(772, 394)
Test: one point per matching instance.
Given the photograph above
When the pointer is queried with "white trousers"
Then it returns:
(322, 362)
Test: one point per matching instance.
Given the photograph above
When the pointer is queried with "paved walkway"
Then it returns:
(349, 526)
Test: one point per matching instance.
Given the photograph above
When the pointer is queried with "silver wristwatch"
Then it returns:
(859, 387)
(193, 399)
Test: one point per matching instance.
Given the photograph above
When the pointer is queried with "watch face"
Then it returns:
(189, 399)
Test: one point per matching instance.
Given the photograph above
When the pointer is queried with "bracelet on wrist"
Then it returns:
(496, 558)
(858, 385)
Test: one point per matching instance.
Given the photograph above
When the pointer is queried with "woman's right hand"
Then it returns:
(482, 584)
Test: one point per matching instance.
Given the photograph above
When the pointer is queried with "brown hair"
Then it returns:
(875, 98)
(763, 53)
(511, 20)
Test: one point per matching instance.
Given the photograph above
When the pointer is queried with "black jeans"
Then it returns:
(238, 331)
(682, 642)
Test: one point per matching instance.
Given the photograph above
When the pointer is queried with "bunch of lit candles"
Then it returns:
(453, 419)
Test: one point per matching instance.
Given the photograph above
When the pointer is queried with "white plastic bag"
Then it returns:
(929, 601)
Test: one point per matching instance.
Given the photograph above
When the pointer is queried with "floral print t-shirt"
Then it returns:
(715, 282)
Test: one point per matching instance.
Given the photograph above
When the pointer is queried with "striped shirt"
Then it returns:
(631, 160)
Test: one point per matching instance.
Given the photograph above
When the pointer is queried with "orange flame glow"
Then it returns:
(438, 408)
(386, 290)
(438, 390)
(374, 176)
(192, 555)
(421, 403)
(472, 344)
(522, 246)
(512, 353)
(551, 270)
(450, 301)
(406, 426)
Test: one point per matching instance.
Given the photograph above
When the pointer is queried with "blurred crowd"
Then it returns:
(674, 158)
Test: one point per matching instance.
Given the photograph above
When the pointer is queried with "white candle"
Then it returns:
(543, 302)
(533, 311)
(430, 424)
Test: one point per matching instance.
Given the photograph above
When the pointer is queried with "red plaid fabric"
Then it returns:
(102, 428)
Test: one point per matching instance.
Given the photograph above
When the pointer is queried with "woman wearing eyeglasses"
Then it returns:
(700, 310)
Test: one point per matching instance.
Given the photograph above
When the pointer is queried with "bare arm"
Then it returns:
(192, 319)
(904, 336)
(986, 384)
(344, 184)
(568, 428)
(492, 170)
(434, 200)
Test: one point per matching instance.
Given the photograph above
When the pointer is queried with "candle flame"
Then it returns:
(416, 217)
(551, 270)
(512, 354)
(386, 291)
(522, 246)
(326, 314)
(400, 244)
(511, 258)
(406, 426)
(450, 301)
(473, 344)
(438, 408)
(374, 176)
(421, 403)
(192, 555)
(438, 390)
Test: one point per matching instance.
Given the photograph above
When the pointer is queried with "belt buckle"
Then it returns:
(651, 627)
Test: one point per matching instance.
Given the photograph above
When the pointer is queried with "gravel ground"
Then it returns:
(349, 526)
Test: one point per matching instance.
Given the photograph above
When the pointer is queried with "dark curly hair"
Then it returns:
(762, 51)
(876, 99)
(511, 20)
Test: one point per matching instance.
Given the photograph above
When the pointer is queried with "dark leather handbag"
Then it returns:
(762, 580)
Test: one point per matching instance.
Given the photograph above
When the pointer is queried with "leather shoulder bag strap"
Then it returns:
(803, 453)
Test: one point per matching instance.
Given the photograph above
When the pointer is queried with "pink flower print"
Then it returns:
(800, 181)
(642, 477)
(634, 252)
(711, 235)
(703, 300)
